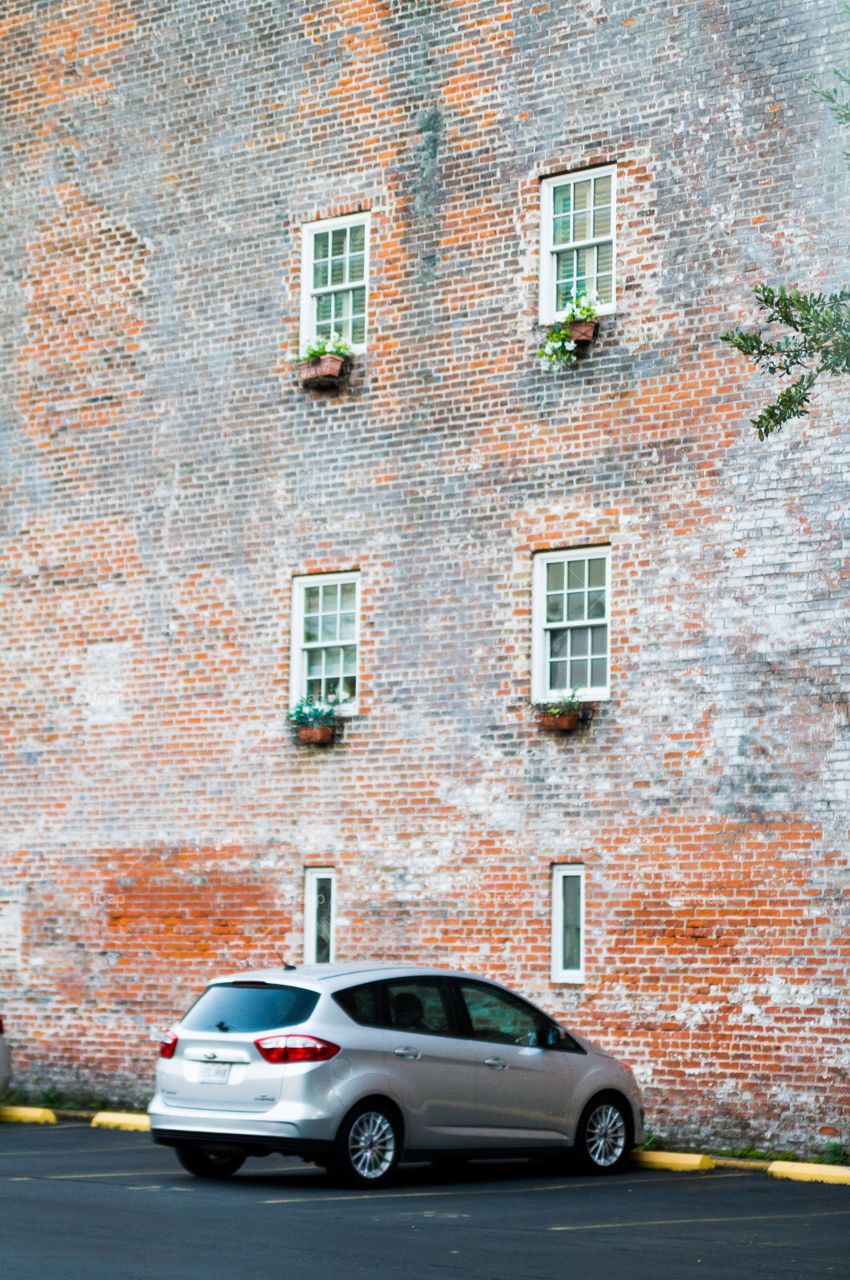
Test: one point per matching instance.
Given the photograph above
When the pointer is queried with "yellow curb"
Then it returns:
(121, 1120)
(736, 1162)
(809, 1172)
(676, 1161)
(27, 1115)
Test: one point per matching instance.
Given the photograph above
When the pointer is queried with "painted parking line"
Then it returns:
(460, 1190)
(684, 1222)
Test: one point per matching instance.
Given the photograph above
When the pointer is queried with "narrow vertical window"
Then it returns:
(571, 612)
(577, 241)
(325, 631)
(568, 924)
(319, 915)
(334, 280)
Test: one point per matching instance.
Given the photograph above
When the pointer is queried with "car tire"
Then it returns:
(604, 1136)
(368, 1146)
(209, 1164)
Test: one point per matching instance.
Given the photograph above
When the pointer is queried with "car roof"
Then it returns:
(330, 977)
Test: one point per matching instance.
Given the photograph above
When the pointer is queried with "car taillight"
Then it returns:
(167, 1045)
(296, 1049)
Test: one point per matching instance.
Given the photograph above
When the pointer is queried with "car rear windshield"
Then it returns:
(242, 1006)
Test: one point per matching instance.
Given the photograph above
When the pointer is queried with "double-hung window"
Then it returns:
(577, 241)
(571, 610)
(568, 923)
(325, 633)
(334, 279)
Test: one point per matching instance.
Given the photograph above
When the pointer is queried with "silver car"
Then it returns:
(359, 1066)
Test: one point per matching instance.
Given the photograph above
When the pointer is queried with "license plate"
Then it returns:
(215, 1072)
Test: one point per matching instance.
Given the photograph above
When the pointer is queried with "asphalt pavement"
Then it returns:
(89, 1204)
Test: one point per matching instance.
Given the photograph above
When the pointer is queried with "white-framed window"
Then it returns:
(568, 923)
(325, 637)
(578, 241)
(319, 914)
(334, 279)
(570, 618)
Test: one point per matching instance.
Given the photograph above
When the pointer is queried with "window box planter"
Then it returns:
(584, 331)
(317, 735)
(566, 722)
(324, 373)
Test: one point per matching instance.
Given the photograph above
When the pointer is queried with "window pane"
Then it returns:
(324, 305)
(358, 301)
(561, 231)
(338, 239)
(555, 608)
(581, 195)
(330, 595)
(562, 199)
(228, 1007)
(581, 226)
(346, 626)
(596, 604)
(602, 190)
(583, 263)
(349, 687)
(311, 628)
(604, 289)
(555, 577)
(571, 940)
(599, 641)
(578, 674)
(566, 265)
(596, 573)
(604, 257)
(580, 642)
(324, 892)
(558, 644)
(314, 689)
(602, 222)
(358, 331)
(355, 267)
(347, 595)
(500, 1017)
(329, 626)
(320, 275)
(320, 246)
(557, 675)
(575, 574)
(575, 606)
(337, 270)
(314, 663)
(357, 237)
(563, 296)
(362, 1004)
(349, 659)
(419, 1006)
(599, 672)
(311, 600)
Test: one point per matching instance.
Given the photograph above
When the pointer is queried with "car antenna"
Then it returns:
(285, 963)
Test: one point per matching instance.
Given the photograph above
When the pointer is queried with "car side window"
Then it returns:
(419, 1005)
(362, 1004)
(501, 1017)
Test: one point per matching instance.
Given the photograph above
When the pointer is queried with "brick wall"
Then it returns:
(164, 478)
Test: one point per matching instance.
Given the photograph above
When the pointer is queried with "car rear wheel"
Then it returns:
(209, 1164)
(368, 1146)
(604, 1135)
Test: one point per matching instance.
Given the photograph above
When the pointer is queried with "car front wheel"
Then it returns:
(604, 1135)
(368, 1146)
(209, 1164)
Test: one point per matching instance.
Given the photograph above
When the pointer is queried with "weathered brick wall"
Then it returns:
(164, 478)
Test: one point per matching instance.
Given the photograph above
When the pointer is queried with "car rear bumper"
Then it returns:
(284, 1127)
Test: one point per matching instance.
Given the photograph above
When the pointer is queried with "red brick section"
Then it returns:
(166, 478)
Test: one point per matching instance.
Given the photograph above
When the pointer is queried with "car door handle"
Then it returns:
(405, 1051)
(498, 1064)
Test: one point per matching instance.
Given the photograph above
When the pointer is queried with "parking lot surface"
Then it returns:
(91, 1204)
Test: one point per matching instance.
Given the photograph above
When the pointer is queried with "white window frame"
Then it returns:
(561, 872)
(297, 678)
(540, 691)
(312, 876)
(309, 231)
(548, 313)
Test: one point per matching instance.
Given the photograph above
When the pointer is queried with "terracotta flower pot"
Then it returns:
(317, 734)
(566, 722)
(323, 374)
(584, 330)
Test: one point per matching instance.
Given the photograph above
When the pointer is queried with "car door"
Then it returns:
(432, 1071)
(523, 1080)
